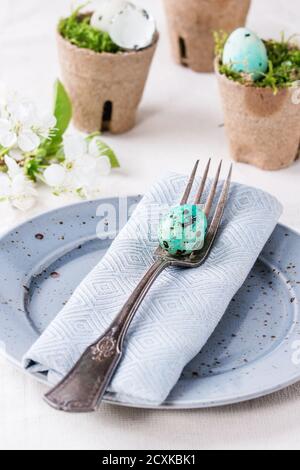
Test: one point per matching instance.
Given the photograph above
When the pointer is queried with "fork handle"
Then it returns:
(83, 388)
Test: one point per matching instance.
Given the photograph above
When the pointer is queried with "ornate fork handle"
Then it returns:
(83, 388)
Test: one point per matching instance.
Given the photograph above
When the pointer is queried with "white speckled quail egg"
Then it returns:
(105, 11)
(245, 52)
(132, 28)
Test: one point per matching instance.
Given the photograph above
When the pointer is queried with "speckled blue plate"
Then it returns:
(254, 351)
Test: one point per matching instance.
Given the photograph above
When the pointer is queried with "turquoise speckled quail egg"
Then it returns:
(105, 11)
(182, 231)
(132, 28)
(245, 52)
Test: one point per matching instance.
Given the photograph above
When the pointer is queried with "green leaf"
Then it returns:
(63, 114)
(91, 136)
(62, 110)
(108, 152)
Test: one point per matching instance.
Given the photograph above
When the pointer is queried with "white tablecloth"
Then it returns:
(180, 118)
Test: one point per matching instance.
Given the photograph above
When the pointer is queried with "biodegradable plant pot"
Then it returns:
(191, 26)
(263, 127)
(105, 88)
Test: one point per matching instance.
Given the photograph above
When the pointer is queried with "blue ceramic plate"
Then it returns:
(254, 351)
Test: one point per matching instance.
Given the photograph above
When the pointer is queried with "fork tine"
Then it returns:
(189, 185)
(221, 203)
(212, 193)
(203, 183)
(217, 218)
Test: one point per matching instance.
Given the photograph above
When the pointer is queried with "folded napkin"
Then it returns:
(180, 312)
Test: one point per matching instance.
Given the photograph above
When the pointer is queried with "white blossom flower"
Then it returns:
(75, 146)
(83, 168)
(97, 150)
(23, 194)
(44, 124)
(13, 168)
(4, 186)
(25, 150)
(16, 154)
(8, 137)
(55, 175)
(21, 127)
(16, 187)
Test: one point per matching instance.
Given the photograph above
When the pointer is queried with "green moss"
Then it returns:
(284, 64)
(77, 29)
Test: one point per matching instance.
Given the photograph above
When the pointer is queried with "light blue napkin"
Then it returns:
(181, 311)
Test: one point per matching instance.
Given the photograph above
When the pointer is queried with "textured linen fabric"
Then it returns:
(180, 312)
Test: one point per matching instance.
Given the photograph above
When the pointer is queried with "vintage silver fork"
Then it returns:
(83, 388)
